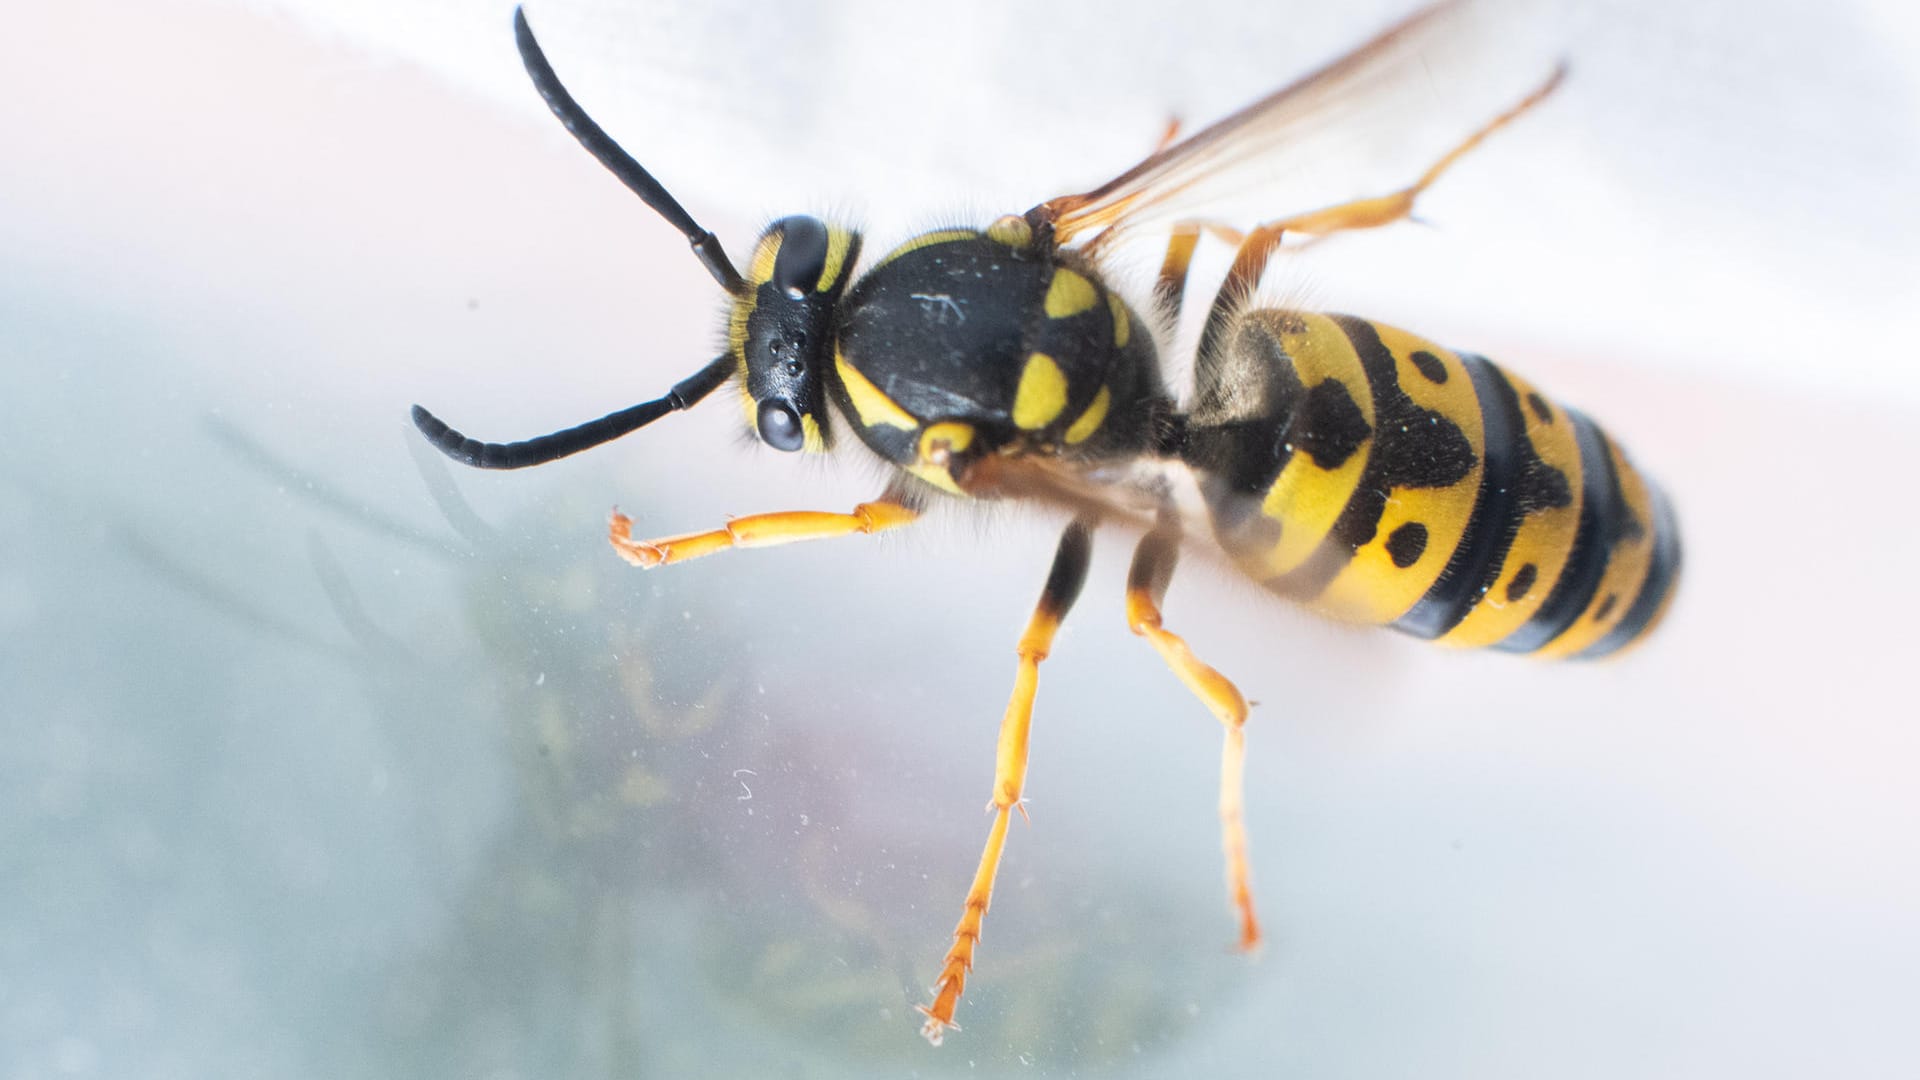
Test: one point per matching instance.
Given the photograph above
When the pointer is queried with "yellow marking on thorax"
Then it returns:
(1011, 230)
(935, 450)
(874, 407)
(1543, 541)
(1371, 587)
(926, 239)
(1090, 420)
(1305, 498)
(839, 240)
(955, 435)
(1069, 294)
(1042, 393)
(1122, 325)
(936, 476)
(1626, 571)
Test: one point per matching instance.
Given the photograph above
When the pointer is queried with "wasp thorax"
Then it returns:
(782, 327)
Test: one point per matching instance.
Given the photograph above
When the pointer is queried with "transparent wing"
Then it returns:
(1382, 120)
(1373, 119)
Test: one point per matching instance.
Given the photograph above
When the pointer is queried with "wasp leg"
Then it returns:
(1250, 262)
(1170, 288)
(1394, 206)
(1153, 563)
(890, 511)
(1167, 134)
(1069, 573)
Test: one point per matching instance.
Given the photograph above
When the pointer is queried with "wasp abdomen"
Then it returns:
(1382, 478)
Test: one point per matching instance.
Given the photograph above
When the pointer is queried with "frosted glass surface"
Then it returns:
(324, 757)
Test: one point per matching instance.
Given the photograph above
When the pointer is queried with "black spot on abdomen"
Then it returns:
(1540, 408)
(1407, 543)
(1662, 574)
(1413, 447)
(1522, 583)
(1251, 417)
(1430, 366)
(1331, 425)
(1514, 484)
(1601, 508)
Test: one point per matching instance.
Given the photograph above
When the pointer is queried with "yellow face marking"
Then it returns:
(814, 442)
(874, 408)
(1011, 230)
(1069, 294)
(759, 272)
(1122, 326)
(1042, 393)
(760, 267)
(937, 446)
(927, 239)
(737, 330)
(838, 241)
(1090, 420)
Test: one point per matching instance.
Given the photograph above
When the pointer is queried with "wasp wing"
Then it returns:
(1377, 115)
(1385, 118)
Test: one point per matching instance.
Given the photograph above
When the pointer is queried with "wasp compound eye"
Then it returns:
(802, 258)
(780, 426)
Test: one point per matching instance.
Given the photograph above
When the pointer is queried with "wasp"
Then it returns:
(1338, 461)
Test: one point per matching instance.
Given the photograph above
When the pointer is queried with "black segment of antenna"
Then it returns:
(706, 246)
(539, 451)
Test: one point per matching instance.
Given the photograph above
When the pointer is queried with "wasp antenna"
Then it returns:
(706, 246)
(519, 455)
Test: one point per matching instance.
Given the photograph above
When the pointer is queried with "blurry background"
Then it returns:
(321, 759)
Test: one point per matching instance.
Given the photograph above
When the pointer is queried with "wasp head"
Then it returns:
(781, 328)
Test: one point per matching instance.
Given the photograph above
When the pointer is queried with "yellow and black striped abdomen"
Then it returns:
(1381, 478)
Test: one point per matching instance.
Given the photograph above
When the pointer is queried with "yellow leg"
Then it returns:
(1170, 289)
(1167, 134)
(1153, 564)
(756, 530)
(1395, 206)
(1010, 770)
(1369, 213)
(1171, 286)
